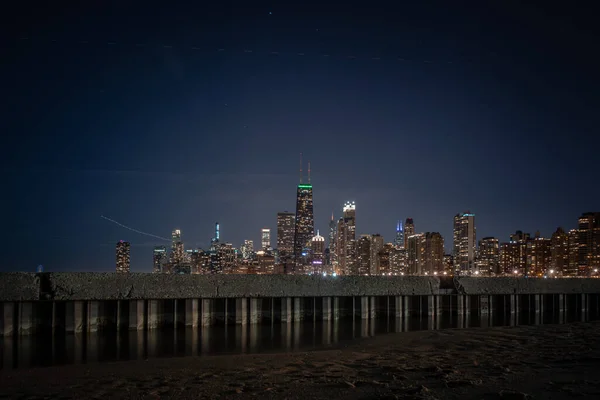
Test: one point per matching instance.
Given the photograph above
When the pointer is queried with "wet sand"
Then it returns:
(542, 362)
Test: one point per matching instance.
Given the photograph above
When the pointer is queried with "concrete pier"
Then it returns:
(93, 315)
(241, 311)
(327, 311)
(398, 306)
(336, 308)
(297, 309)
(78, 302)
(192, 312)
(207, 316)
(254, 310)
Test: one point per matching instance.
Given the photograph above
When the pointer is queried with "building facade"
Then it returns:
(304, 228)
(265, 238)
(464, 243)
(488, 256)
(123, 258)
(285, 240)
(346, 240)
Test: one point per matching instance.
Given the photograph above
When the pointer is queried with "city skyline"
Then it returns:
(417, 111)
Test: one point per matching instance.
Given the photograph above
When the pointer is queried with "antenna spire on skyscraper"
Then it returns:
(300, 167)
(309, 172)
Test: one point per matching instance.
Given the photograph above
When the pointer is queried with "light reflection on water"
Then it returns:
(60, 348)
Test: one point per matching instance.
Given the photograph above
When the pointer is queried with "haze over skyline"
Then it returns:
(492, 111)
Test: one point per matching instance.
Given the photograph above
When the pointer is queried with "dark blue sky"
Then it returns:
(421, 109)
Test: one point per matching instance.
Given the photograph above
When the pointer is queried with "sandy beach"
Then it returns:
(542, 362)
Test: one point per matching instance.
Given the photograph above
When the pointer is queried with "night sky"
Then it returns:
(419, 110)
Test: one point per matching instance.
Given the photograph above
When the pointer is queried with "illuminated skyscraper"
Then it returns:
(304, 228)
(159, 258)
(538, 256)
(434, 254)
(415, 253)
(409, 229)
(363, 255)
(265, 238)
(589, 243)
(559, 253)
(331, 244)
(247, 249)
(285, 240)
(464, 243)
(399, 240)
(376, 247)
(177, 252)
(513, 255)
(317, 250)
(123, 257)
(488, 256)
(346, 240)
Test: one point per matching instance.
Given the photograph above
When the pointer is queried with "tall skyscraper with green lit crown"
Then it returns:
(304, 228)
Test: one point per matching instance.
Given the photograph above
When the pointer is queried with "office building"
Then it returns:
(317, 252)
(304, 228)
(123, 257)
(415, 253)
(376, 246)
(159, 259)
(409, 229)
(332, 259)
(488, 256)
(247, 249)
(434, 254)
(513, 255)
(177, 251)
(464, 243)
(346, 240)
(285, 240)
(538, 256)
(588, 238)
(559, 253)
(399, 240)
(265, 238)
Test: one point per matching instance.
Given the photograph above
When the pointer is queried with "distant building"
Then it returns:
(488, 256)
(415, 253)
(513, 255)
(588, 239)
(159, 259)
(265, 238)
(332, 259)
(399, 240)
(304, 228)
(317, 248)
(285, 240)
(434, 254)
(559, 253)
(448, 264)
(409, 229)
(538, 256)
(217, 238)
(363, 255)
(247, 249)
(464, 243)
(177, 252)
(123, 257)
(385, 259)
(376, 247)
(346, 240)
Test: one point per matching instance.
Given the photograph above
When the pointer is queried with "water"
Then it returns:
(60, 349)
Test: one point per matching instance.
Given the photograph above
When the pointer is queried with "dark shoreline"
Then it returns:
(544, 361)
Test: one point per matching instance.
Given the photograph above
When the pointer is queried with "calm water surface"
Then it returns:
(59, 349)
